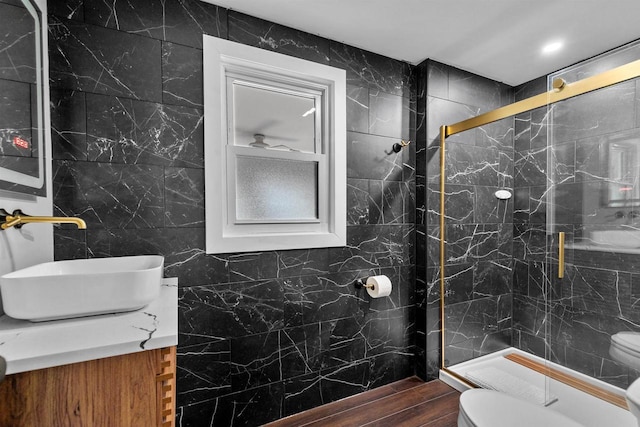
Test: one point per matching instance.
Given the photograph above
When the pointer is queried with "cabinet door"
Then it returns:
(127, 390)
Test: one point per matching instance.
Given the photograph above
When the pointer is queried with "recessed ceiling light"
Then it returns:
(552, 47)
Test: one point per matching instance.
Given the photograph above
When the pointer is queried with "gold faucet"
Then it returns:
(17, 219)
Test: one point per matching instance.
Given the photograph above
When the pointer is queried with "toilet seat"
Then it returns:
(488, 408)
(625, 348)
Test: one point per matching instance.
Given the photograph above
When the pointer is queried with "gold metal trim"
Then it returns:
(570, 380)
(459, 377)
(559, 84)
(18, 219)
(561, 255)
(565, 91)
(443, 138)
(589, 84)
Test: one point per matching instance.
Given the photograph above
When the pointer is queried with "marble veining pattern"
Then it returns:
(261, 334)
(103, 336)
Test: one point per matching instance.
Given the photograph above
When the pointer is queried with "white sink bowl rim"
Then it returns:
(617, 238)
(83, 287)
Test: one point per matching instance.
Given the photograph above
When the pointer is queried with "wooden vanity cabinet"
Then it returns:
(136, 389)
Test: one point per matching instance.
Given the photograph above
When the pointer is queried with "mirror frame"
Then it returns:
(37, 9)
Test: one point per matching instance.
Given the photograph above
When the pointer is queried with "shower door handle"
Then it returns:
(561, 255)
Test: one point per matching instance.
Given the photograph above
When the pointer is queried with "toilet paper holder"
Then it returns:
(362, 283)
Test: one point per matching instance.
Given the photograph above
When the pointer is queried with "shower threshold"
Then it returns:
(585, 408)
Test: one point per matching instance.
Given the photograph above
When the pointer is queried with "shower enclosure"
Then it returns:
(553, 271)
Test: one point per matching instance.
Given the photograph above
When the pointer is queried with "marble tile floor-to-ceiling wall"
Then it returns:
(478, 260)
(261, 335)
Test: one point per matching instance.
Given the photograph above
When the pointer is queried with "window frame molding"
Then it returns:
(222, 58)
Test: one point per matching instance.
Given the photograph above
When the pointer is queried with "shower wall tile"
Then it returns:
(603, 292)
(530, 168)
(529, 241)
(575, 203)
(540, 127)
(490, 209)
(256, 32)
(538, 204)
(591, 332)
(472, 165)
(522, 131)
(471, 89)
(603, 369)
(472, 319)
(445, 112)
(607, 110)
(530, 88)
(459, 203)
(479, 231)
(436, 80)
(498, 134)
(492, 278)
(459, 283)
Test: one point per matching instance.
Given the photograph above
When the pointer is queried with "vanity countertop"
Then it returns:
(27, 346)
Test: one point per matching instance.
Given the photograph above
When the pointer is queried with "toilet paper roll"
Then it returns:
(381, 286)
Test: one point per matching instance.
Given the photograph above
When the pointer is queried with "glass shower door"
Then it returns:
(593, 203)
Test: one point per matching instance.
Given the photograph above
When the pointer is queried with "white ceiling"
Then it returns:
(499, 39)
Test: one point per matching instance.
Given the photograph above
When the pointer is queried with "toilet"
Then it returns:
(488, 408)
(625, 348)
(633, 399)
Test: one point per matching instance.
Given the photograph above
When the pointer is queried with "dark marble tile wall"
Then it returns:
(596, 299)
(529, 217)
(261, 335)
(478, 259)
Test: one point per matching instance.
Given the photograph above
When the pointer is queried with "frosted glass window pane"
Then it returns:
(274, 189)
(287, 121)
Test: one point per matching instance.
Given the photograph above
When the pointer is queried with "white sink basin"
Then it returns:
(617, 238)
(83, 287)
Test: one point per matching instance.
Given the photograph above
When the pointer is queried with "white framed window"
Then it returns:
(275, 150)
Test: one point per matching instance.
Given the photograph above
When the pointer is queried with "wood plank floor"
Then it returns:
(406, 403)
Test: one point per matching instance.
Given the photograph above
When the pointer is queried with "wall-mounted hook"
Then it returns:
(397, 147)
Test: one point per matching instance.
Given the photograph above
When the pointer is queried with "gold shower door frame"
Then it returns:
(560, 92)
